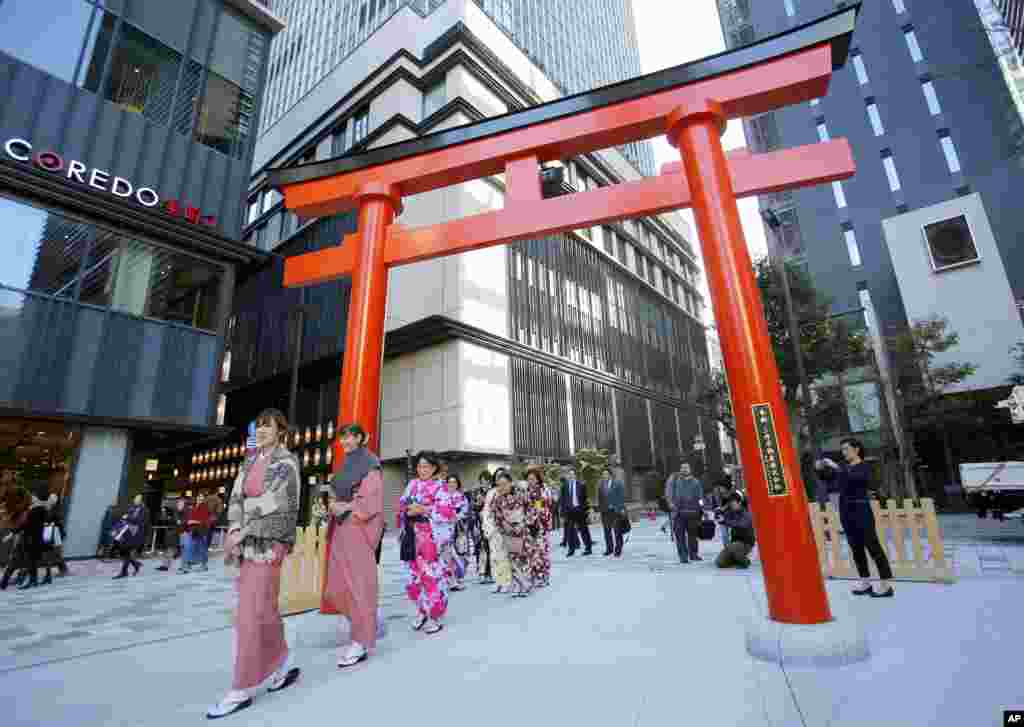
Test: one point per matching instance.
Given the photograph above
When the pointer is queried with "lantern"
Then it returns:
(330, 429)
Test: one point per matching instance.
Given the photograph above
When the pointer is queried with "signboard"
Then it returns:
(250, 442)
(768, 445)
(152, 465)
(74, 170)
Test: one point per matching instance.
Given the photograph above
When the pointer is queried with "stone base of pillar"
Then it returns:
(839, 642)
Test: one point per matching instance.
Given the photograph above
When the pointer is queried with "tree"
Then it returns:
(589, 465)
(923, 384)
(827, 342)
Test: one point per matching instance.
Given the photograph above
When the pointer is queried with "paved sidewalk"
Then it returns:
(639, 640)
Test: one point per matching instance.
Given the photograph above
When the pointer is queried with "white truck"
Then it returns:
(996, 487)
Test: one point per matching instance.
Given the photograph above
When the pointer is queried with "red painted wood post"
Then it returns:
(792, 572)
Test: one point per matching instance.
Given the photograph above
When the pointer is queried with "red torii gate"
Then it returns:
(690, 104)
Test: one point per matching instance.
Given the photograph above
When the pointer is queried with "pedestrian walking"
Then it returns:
(576, 512)
(685, 496)
(198, 524)
(742, 540)
(353, 535)
(129, 536)
(173, 534)
(28, 516)
(262, 515)
(486, 481)
(501, 568)
(539, 523)
(425, 517)
(611, 503)
(457, 548)
(858, 519)
(510, 518)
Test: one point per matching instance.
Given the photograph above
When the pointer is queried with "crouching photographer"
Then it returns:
(737, 518)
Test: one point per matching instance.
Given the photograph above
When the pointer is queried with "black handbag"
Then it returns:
(624, 524)
(707, 528)
(407, 543)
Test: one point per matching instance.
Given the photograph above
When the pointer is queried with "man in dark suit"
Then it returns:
(611, 501)
(575, 511)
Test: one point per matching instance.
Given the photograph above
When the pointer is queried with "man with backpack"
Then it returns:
(685, 496)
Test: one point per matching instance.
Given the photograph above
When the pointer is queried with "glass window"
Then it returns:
(51, 41)
(270, 198)
(852, 248)
(143, 74)
(823, 132)
(860, 70)
(255, 208)
(949, 150)
(43, 251)
(915, 49)
(931, 98)
(227, 60)
(899, 6)
(875, 119)
(837, 191)
(339, 143)
(360, 126)
(890, 172)
(188, 97)
(434, 98)
(790, 6)
(225, 117)
(53, 254)
(951, 243)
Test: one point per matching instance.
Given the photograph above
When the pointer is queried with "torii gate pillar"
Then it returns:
(796, 592)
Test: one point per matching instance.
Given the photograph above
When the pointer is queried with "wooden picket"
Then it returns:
(893, 524)
(301, 573)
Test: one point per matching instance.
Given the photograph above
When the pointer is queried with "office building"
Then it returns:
(535, 349)
(126, 137)
(930, 106)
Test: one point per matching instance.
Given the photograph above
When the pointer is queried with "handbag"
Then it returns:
(707, 528)
(407, 543)
(624, 524)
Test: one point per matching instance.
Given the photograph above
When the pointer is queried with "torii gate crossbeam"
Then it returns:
(690, 104)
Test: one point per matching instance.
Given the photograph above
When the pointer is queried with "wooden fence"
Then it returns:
(910, 535)
(302, 572)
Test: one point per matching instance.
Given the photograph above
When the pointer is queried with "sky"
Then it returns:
(671, 32)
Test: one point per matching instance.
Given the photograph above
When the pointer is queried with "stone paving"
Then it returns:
(639, 640)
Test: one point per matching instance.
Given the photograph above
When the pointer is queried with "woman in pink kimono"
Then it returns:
(353, 534)
(262, 515)
(539, 523)
(457, 547)
(426, 515)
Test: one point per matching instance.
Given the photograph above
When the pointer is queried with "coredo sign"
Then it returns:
(71, 169)
(50, 161)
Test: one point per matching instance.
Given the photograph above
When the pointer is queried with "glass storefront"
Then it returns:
(46, 252)
(38, 455)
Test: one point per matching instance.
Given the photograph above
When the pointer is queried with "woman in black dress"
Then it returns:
(858, 519)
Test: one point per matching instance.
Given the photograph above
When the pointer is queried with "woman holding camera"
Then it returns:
(858, 519)
(426, 515)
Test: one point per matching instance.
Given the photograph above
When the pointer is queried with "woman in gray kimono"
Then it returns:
(262, 515)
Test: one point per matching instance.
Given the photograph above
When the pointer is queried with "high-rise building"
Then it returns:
(540, 348)
(1011, 15)
(577, 44)
(925, 228)
(127, 131)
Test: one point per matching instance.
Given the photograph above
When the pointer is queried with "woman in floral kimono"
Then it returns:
(458, 547)
(501, 568)
(510, 518)
(426, 515)
(262, 515)
(539, 522)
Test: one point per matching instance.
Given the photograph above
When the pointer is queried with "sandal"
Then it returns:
(226, 707)
(289, 679)
(869, 591)
(433, 628)
(885, 594)
(418, 623)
